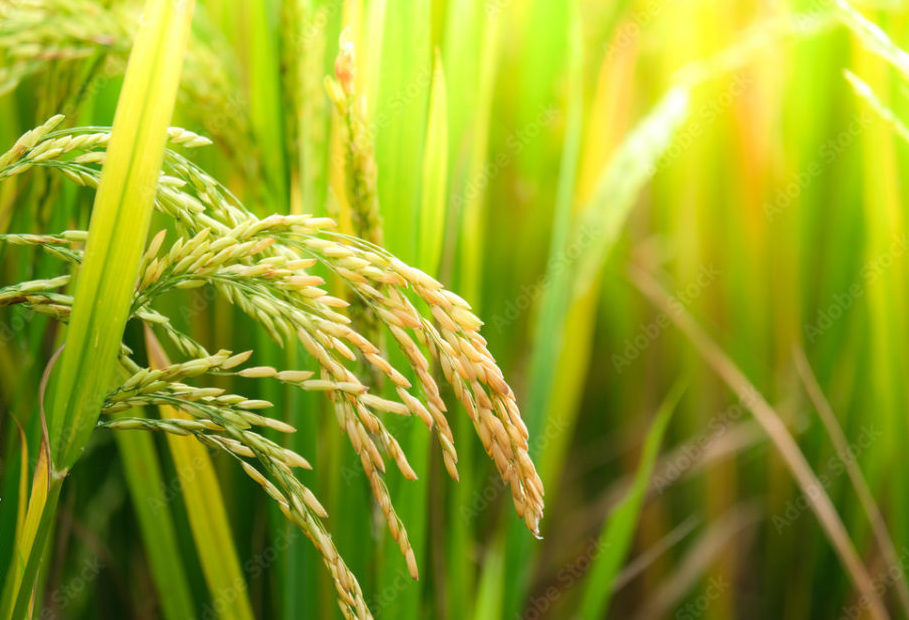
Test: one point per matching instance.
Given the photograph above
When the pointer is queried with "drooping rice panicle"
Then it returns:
(264, 267)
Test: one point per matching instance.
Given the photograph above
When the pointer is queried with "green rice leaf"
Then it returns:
(17, 587)
(204, 506)
(617, 534)
(435, 175)
(119, 226)
(400, 122)
(104, 286)
(156, 525)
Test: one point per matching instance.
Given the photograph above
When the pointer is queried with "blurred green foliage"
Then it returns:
(525, 154)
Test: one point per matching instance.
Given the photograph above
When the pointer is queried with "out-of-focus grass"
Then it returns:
(527, 152)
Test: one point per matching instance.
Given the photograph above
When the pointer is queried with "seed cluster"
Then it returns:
(265, 266)
(360, 162)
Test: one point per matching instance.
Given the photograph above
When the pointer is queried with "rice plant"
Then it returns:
(236, 379)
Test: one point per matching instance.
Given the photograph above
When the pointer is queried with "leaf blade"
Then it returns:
(204, 506)
(615, 538)
(119, 225)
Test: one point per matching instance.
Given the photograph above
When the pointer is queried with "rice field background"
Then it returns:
(232, 384)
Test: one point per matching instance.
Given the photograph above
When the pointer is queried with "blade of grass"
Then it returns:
(159, 536)
(205, 508)
(27, 556)
(885, 231)
(847, 457)
(547, 332)
(788, 449)
(401, 120)
(372, 73)
(618, 532)
(23, 481)
(469, 206)
(431, 233)
(435, 175)
(547, 35)
(400, 130)
(30, 505)
(488, 603)
(119, 225)
(461, 57)
(469, 60)
(30, 539)
(265, 101)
